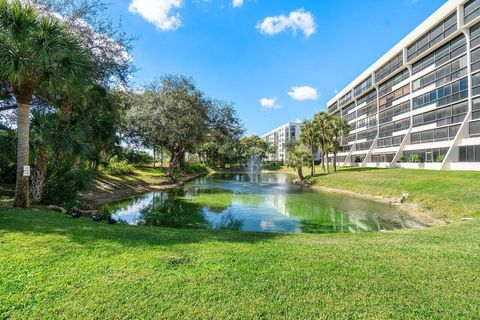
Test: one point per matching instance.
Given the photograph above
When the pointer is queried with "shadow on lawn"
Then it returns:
(88, 232)
(342, 170)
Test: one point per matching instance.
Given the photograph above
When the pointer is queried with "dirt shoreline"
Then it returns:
(94, 201)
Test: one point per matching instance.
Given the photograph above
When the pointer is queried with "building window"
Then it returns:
(363, 146)
(449, 51)
(345, 99)
(449, 115)
(388, 114)
(427, 155)
(475, 128)
(434, 36)
(449, 72)
(390, 67)
(476, 84)
(358, 158)
(387, 101)
(450, 93)
(362, 87)
(475, 36)
(435, 135)
(387, 130)
(390, 142)
(368, 134)
(469, 154)
(369, 109)
(476, 109)
(383, 157)
(333, 108)
(471, 10)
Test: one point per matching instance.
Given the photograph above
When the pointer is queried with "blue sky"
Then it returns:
(245, 51)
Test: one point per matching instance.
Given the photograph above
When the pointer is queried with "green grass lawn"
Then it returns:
(446, 194)
(143, 176)
(53, 266)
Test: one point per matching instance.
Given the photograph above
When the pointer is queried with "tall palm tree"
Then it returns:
(340, 128)
(324, 124)
(309, 137)
(34, 52)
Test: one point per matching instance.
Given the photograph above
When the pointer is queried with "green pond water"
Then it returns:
(272, 203)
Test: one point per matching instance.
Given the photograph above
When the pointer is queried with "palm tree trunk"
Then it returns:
(22, 199)
(313, 160)
(326, 160)
(39, 174)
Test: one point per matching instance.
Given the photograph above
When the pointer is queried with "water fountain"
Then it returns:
(254, 166)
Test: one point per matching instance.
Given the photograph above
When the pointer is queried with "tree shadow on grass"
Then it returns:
(344, 171)
(87, 232)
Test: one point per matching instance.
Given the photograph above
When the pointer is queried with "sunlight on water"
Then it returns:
(269, 203)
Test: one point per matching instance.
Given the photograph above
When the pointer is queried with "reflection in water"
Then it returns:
(271, 204)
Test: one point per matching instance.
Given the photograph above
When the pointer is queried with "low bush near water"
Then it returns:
(119, 167)
(193, 168)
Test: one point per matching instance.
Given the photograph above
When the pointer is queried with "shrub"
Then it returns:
(272, 165)
(138, 158)
(63, 183)
(440, 158)
(403, 159)
(119, 167)
(415, 158)
(193, 168)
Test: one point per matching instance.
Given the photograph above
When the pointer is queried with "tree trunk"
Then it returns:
(22, 198)
(312, 171)
(335, 162)
(326, 161)
(39, 174)
(66, 109)
(300, 173)
(161, 156)
(154, 157)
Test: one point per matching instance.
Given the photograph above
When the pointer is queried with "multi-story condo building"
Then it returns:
(421, 100)
(279, 137)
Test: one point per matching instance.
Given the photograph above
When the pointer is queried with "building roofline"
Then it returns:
(430, 22)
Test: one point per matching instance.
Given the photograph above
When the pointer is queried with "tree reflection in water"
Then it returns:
(274, 204)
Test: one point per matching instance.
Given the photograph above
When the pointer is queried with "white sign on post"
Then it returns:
(26, 171)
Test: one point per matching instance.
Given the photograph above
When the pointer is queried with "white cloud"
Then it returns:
(269, 103)
(237, 3)
(158, 12)
(296, 20)
(304, 93)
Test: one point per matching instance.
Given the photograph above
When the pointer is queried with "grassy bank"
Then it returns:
(53, 266)
(445, 194)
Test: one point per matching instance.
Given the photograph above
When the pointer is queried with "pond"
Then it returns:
(272, 203)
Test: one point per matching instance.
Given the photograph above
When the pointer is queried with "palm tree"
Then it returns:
(324, 124)
(35, 52)
(309, 137)
(297, 159)
(340, 128)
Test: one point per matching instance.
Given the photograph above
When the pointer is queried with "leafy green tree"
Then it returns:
(222, 144)
(298, 158)
(171, 113)
(340, 128)
(35, 51)
(309, 137)
(255, 145)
